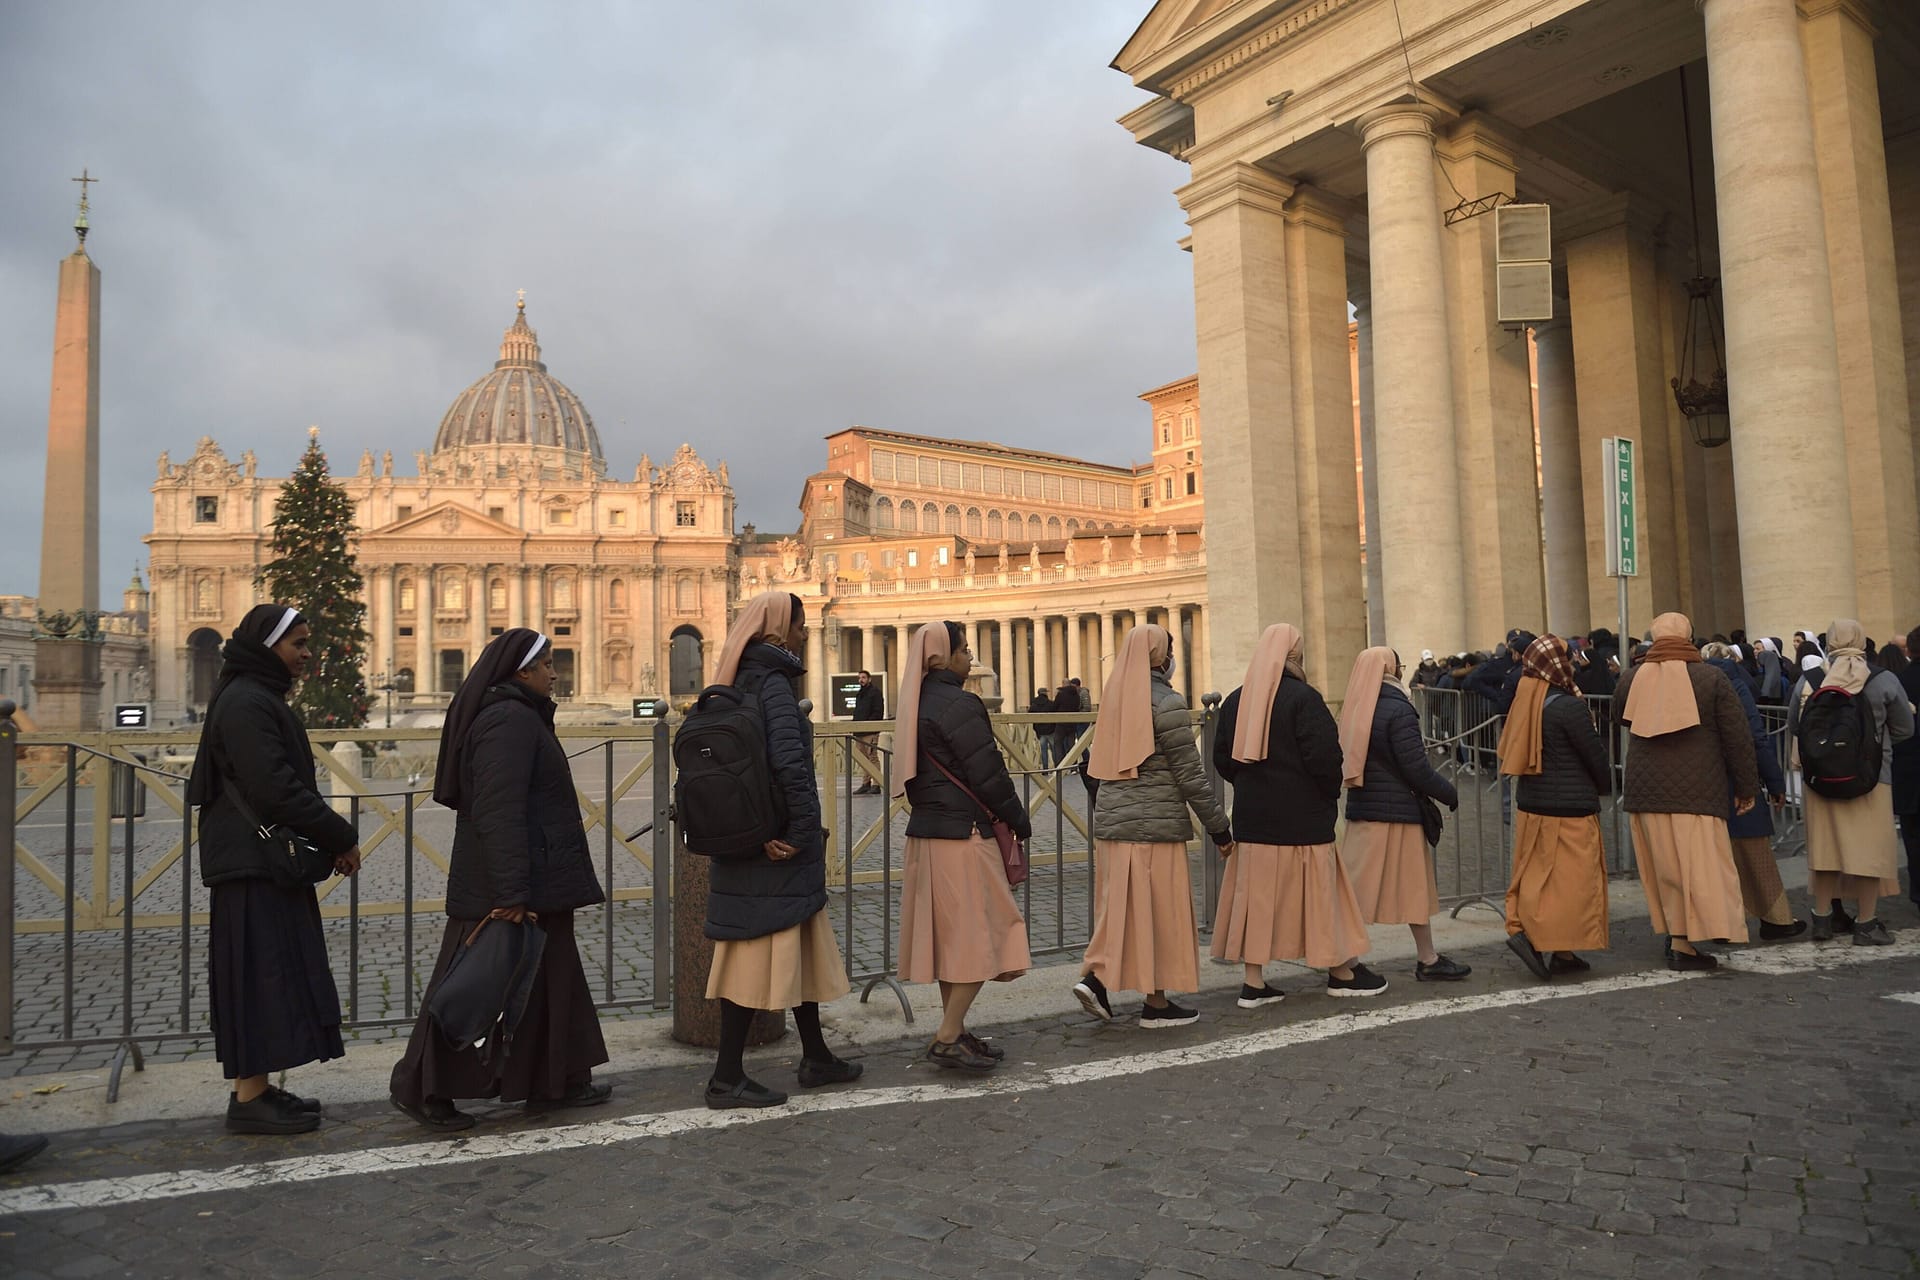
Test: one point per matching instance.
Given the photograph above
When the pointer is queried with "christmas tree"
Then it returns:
(313, 570)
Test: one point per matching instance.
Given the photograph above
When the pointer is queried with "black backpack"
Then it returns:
(724, 796)
(1839, 744)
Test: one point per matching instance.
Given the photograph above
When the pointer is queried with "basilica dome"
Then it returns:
(519, 403)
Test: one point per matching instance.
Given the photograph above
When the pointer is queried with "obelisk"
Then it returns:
(67, 649)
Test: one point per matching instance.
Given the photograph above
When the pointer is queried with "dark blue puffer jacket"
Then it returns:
(753, 897)
(1396, 742)
(1757, 821)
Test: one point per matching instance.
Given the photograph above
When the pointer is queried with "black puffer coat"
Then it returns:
(1293, 796)
(754, 897)
(254, 740)
(954, 729)
(1757, 821)
(1906, 755)
(1395, 751)
(518, 840)
(1573, 762)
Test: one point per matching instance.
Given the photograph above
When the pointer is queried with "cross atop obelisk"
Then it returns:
(80, 226)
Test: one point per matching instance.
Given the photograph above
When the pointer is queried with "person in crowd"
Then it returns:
(1893, 657)
(1600, 664)
(959, 923)
(1428, 672)
(1498, 679)
(1764, 897)
(774, 947)
(1042, 705)
(269, 987)
(1070, 697)
(1150, 774)
(1906, 769)
(1690, 744)
(869, 704)
(1285, 894)
(1557, 897)
(1771, 683)
(519, 853)
(1385, 768)
(1850, 842)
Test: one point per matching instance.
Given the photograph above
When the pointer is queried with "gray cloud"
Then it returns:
(741, 225)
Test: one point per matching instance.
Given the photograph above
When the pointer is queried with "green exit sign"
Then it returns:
(1622, 523)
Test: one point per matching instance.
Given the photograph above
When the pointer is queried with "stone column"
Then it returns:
(1244, 336)
(1369, 468)
(1783, 368)
(1561, 496)
(1203, 651)
(1837, 38)
(390, 620)
(477, 636)
(537, 601)
(587, 685)
(817, 666)
(1019, 673)
(426, 672)
(1420, 550)
(1109, 646)
(1042, 654)
(516, 595)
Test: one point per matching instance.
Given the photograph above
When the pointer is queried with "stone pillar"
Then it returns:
(817, 667)
(1783, 369)
(516, 595)
(426, 671)
(390, 619)
(70, 513)
(1723, 536)
(1019, 673)
(1246, 397)
(477, 636)
(897, 653)
(1837, 39)
(587, 682)
(1203, 651)
(1421, 567)
(1109, 649)
(1493, 405)
(1369, 468)
(537, 601)
(1562, 501)
(1333, 616)
(1042, 654)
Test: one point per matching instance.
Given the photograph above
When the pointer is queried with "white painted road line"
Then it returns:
(1907, 997)
(108, 1192)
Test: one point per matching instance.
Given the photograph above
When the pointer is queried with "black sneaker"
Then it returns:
(1518, 944)
(1568, 962)
(832, 1071)
(1092, 995)
(747, 1093)
(436, 1113)
(1781, 932)
(1698, 962)
(1842, 922)
(1871, 933)
(15, 1152)
(1441, 970)
(589, 1093)
(982, 1047)
(1364, 982)
(1823, 928)
(1256, 997)
(1167, 1015)
(311, 1105)
(267, 1114)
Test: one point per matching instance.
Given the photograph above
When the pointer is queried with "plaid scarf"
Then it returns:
(1549, 659)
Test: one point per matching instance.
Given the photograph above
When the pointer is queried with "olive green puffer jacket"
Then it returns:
(1152, 808)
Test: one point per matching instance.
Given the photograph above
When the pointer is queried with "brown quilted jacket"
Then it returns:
(1688, 771)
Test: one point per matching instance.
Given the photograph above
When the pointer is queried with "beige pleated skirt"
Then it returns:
(1391, 871)
(959, 921)
(1288, 902)
(1686, 867)
(1854, 837)
(1558, 893)
(1144, 936)
(782, 969)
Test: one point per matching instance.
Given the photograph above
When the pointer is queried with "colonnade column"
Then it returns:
(1369, 464)
(1203, 651)
(587, 662)
(1109, 644)
(1042, 654)
(536, 600)
(1561, 495)
(1422, 577)
(426, 674)
(1783, 369)
(516, 595)
(817, 668)
(476, 613)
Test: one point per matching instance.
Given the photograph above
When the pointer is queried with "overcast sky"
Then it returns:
(740, 225)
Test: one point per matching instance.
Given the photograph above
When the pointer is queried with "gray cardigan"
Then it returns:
(1152, 808)
(1892, 714)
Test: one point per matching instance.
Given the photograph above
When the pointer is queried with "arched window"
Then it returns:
(1073, 526)
(953, 519)
(994, 526)
(909, 516)
(406, 595)
(497, 596)
(1015, 525)
(686, 595)
(1053, 527)
(1033, 528)
(974, 527)
(203, 595)
(616, 596)
(929, 519)
(453, 591)
(684, 662)
(883, 514)
(563, 593)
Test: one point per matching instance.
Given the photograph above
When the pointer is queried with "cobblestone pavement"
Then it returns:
(1753, 1122)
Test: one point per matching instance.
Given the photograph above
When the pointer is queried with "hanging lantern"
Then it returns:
(1701, 388)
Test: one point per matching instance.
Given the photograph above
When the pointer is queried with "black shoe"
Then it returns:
(1871, 933)
(1167, 1015)
(981, 1047)
(588, 1093)
(310, 1105)
(1518, 944)
(1781, 932)
(267, 1114)
(1842, 922)
(1698, 962)
(832, 1071)
(959, 1057)
(1441, 970)
(1092, 995)
(1823, 928)
(1567, 962)
(15, 1152)
(1364, 982)
(747, 1093)
(436, 1113)
(1256, 997)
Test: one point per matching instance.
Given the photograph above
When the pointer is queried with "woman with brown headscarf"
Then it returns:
(1689, 742)
(1557, 898)
(1143, 753)
(1285, 895)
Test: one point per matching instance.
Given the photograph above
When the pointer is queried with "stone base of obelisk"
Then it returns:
(66, 685)
(696, 1019)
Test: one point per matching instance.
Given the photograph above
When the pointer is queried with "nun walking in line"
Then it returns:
(1557, 897)
(1386, 770)
(519, 853)
(959, 923)
(269, 986)
(1150, 774)
(1284, 895)
(774, 947)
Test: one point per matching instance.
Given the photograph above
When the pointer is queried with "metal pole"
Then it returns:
(186, 910)
(406, 919)
(353, 924)
(662, 866)
(606, 821)
(9, 738)
(66, 926)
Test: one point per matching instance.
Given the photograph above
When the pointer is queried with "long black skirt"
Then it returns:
(269, 986)
(556, 1047)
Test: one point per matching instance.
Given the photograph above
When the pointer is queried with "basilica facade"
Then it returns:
(511, 519)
